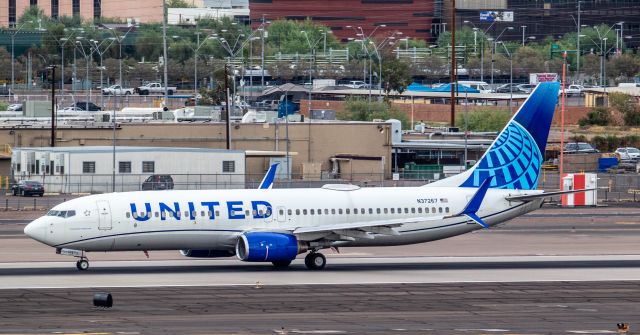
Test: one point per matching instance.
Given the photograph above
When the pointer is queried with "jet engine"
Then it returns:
(268, 247)
(206, 253)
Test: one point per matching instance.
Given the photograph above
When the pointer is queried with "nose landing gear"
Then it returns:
(83, 262)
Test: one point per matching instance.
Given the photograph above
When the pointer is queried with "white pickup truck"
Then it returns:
(154, 88)
(117, 90)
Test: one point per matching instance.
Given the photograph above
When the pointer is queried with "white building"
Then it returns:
(90, 169)
(214, 9)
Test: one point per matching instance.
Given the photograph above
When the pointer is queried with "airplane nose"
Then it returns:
(36, 230)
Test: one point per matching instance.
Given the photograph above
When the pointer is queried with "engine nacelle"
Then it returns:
(206, 253)
(268, 247)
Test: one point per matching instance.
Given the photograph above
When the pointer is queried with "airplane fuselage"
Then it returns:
(213, 219)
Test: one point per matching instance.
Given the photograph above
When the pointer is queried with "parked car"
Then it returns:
(28, 188)
(72, 109)
(87, 106)
(579, 148)
(526, 88)
(158, 182)
(117, 90)
(154, 88)
(573, 90)
(14, 108)
(508, 88)
(356, 84)
(628, 153)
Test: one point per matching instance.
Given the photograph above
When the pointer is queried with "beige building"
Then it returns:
(139, 11)
(345, 150)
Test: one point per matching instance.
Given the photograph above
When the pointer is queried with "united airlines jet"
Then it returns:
(276, 225)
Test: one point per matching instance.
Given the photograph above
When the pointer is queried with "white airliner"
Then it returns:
(275, 225)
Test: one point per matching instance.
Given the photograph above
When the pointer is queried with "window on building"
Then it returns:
(33, 2)
(124, 167)
(55, 8)
(97, 9)
(229, 166)
(12, 13)
(76, 7)
(148, 167)
(88, 167)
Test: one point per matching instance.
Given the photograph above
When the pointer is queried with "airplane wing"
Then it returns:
(527, 197)
(367, 229)
(267, 181)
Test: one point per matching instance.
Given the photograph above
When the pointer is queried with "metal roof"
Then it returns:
(121, 149)
(413, 94)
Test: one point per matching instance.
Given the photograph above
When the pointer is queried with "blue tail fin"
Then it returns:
(474, 204)
(516, 156)
(267, 181)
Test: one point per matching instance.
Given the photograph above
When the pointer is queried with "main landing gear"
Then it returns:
(315, 261)
(82, 264)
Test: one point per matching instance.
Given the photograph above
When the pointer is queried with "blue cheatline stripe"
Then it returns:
(267, 181)
(148, 232)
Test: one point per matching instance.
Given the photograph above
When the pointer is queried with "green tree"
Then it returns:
(527, 60)
(290, 37)
(357, 109)
(623, 67)
(626, 105)
(178, 4)
(598, 116)
(395, 75)
(484, 120)
(149, 45)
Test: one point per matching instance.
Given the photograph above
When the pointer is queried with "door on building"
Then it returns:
(104, 215)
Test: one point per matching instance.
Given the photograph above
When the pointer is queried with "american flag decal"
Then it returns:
(444, 200)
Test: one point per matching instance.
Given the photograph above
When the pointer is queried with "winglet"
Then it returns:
(474, 204)
(267, 181)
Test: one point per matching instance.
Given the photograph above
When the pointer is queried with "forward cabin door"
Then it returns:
(104, 215)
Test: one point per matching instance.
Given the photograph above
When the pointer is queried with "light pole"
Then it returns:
(523, 30)
(13, 43)
(389, 40)
(482, 38)
(312, 50)
(195, 62)
(510, 76)
(495, 43)
(96, 47)
(87, 56)
(603, 44)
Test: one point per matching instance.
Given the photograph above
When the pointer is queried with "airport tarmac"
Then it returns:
(549, 272)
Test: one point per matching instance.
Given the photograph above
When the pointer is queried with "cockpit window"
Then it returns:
(62, 214)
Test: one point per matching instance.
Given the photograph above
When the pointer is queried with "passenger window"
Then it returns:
(202, 213)
(281, 212)
(340, 211)
(194, 214)
(413, 210)
(420, 210)
(446, 209)
(135, 215)
(141, 214)
(399, 210)
(386, 210)
(433, 210)
(312, 211)
(268, 212)
(440, 209)
(297, 211)
(326, 211)
(178, 214)
(247, 213)
(128, 215)
(217, 213)
(378, 210)
(209, 213)
(406, 210)
(319, 211)
(254, 212)
(355, 211)
(333, 211)
(426, 210)
(304, 212)
(156, 214)
(163, 214)
(289, 212)
(393, 210)
(261, 212)
(347, 211)
(370, 210)
(362, 211)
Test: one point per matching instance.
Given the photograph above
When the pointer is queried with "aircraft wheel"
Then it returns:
(315, 261)
(281, 264)
(82, 265)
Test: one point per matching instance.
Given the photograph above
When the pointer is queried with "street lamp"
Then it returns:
(87, 56)
(495, 43)
(96, 47)
(510, 76)
(13, 42)
(312, 50)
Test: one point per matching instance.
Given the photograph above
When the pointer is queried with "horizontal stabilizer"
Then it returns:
(526, 197)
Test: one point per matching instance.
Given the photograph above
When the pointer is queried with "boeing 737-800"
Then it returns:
(275, 225)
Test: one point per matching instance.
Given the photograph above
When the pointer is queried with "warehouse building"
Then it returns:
(90, 169)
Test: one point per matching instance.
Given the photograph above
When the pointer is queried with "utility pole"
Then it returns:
(53, 105)
(453, 63)
(578, 53)
(164, 51)
(262, 54)
(226, 92)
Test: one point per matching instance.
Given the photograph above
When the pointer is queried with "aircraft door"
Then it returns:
(281, 214)
(104, 215)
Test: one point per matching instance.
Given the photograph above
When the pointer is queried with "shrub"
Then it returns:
(598, 116)
(484, 120)
(357, 109)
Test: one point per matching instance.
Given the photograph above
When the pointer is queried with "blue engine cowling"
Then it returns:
(206, 253)
(268, 247)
